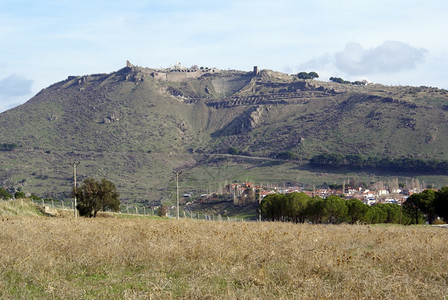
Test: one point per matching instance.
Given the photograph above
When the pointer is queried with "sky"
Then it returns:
(392, 42)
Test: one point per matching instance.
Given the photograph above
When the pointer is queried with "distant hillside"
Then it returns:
(136, 125)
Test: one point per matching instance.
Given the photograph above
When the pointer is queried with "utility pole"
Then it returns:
(75, 164)
(177, 190)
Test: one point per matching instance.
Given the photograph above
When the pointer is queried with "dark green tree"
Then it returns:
(19, 195)
(313, 75)
(337, 79)
(427, 204)
(94, 196)
(303, 75)
(412, 207)
(274, 207)
(297, 206)
(441, 203)
(375, 215)
(422, 203)
(390, 213)
(4, 194)
(356, 210)
(335, 209)
(315, 209)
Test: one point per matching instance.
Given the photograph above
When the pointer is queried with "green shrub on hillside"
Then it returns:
(4, 194)
(19, 195)
(8, 147)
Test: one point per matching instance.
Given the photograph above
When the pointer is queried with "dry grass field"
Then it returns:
(139, 258)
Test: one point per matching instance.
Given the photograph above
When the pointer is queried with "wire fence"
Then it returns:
(140, 211)
(186, 214)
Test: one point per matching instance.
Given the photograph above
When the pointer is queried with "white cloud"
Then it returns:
(389, 57)
(14, 90)
(15, 85)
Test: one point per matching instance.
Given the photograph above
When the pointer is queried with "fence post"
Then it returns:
(136, 210)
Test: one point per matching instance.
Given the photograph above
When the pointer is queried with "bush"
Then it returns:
(19, 195)
(438, 222)
(4, 194)
(163, 210)
(8, 147)
(233, 151)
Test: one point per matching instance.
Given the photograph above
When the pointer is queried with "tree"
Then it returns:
(4, 194)
(296, 206)
(273, 207)
(94, 196)
(421, 203)
(313, 75)
(427, 201)
(412, 207)
(315, 209)
(441, 203)
(356, 210)
(339, 80)
(19, 195)
(164, 210)
(335, 209)
(391, 213)
(303, 75)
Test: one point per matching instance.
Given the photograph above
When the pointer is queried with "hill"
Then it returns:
(135, 125)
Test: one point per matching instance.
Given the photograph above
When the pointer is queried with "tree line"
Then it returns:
(386, 163)
(342, 81)
(428, 205)
(299, 208)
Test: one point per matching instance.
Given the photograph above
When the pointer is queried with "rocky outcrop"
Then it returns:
(110, 118)
(245, 122)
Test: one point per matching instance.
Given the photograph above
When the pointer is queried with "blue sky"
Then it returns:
(389, 42)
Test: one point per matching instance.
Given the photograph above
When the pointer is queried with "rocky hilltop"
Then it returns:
(135, 125)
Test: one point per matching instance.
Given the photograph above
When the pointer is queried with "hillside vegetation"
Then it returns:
(134, 129)
(21, 207)
(112, 258)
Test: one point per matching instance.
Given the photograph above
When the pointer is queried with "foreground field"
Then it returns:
(116, 258)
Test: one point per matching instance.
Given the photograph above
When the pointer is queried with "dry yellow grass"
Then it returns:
(112, 258)
(21, 207)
